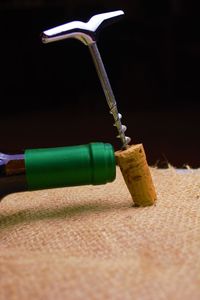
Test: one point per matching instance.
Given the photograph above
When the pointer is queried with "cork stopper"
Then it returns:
(136, 173)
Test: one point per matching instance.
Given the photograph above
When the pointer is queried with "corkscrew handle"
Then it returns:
(85, 32)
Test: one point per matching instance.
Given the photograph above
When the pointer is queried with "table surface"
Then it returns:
(91, 243)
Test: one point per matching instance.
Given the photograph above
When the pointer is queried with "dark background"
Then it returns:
(51, 95)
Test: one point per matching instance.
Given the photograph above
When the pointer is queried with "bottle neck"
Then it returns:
(12, 173)
(57, 167)
(12, 164)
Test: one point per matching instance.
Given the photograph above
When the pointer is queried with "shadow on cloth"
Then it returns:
(33, 215)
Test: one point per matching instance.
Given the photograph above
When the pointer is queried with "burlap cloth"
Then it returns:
(91, 243)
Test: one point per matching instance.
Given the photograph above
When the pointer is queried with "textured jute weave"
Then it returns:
(91, 243)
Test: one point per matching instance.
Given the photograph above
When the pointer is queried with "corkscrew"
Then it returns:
(87, 164)
(87, 33)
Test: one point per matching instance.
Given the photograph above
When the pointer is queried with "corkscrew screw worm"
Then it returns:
(87, 34)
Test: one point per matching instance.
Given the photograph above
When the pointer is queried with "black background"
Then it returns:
(51, 95)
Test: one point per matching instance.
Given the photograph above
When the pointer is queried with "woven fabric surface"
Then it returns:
(91, 243)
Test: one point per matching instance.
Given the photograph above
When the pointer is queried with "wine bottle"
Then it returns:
(57, 167)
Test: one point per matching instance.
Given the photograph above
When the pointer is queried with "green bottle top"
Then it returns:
(70, 166)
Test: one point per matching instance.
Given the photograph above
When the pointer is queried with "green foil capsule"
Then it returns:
(70, 166)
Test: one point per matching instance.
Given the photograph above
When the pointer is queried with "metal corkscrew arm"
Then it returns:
(87, 33)
(109, 94)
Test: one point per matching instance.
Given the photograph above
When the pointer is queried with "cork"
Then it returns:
(136, 173)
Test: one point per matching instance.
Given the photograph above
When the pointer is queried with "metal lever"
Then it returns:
(87, 34)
